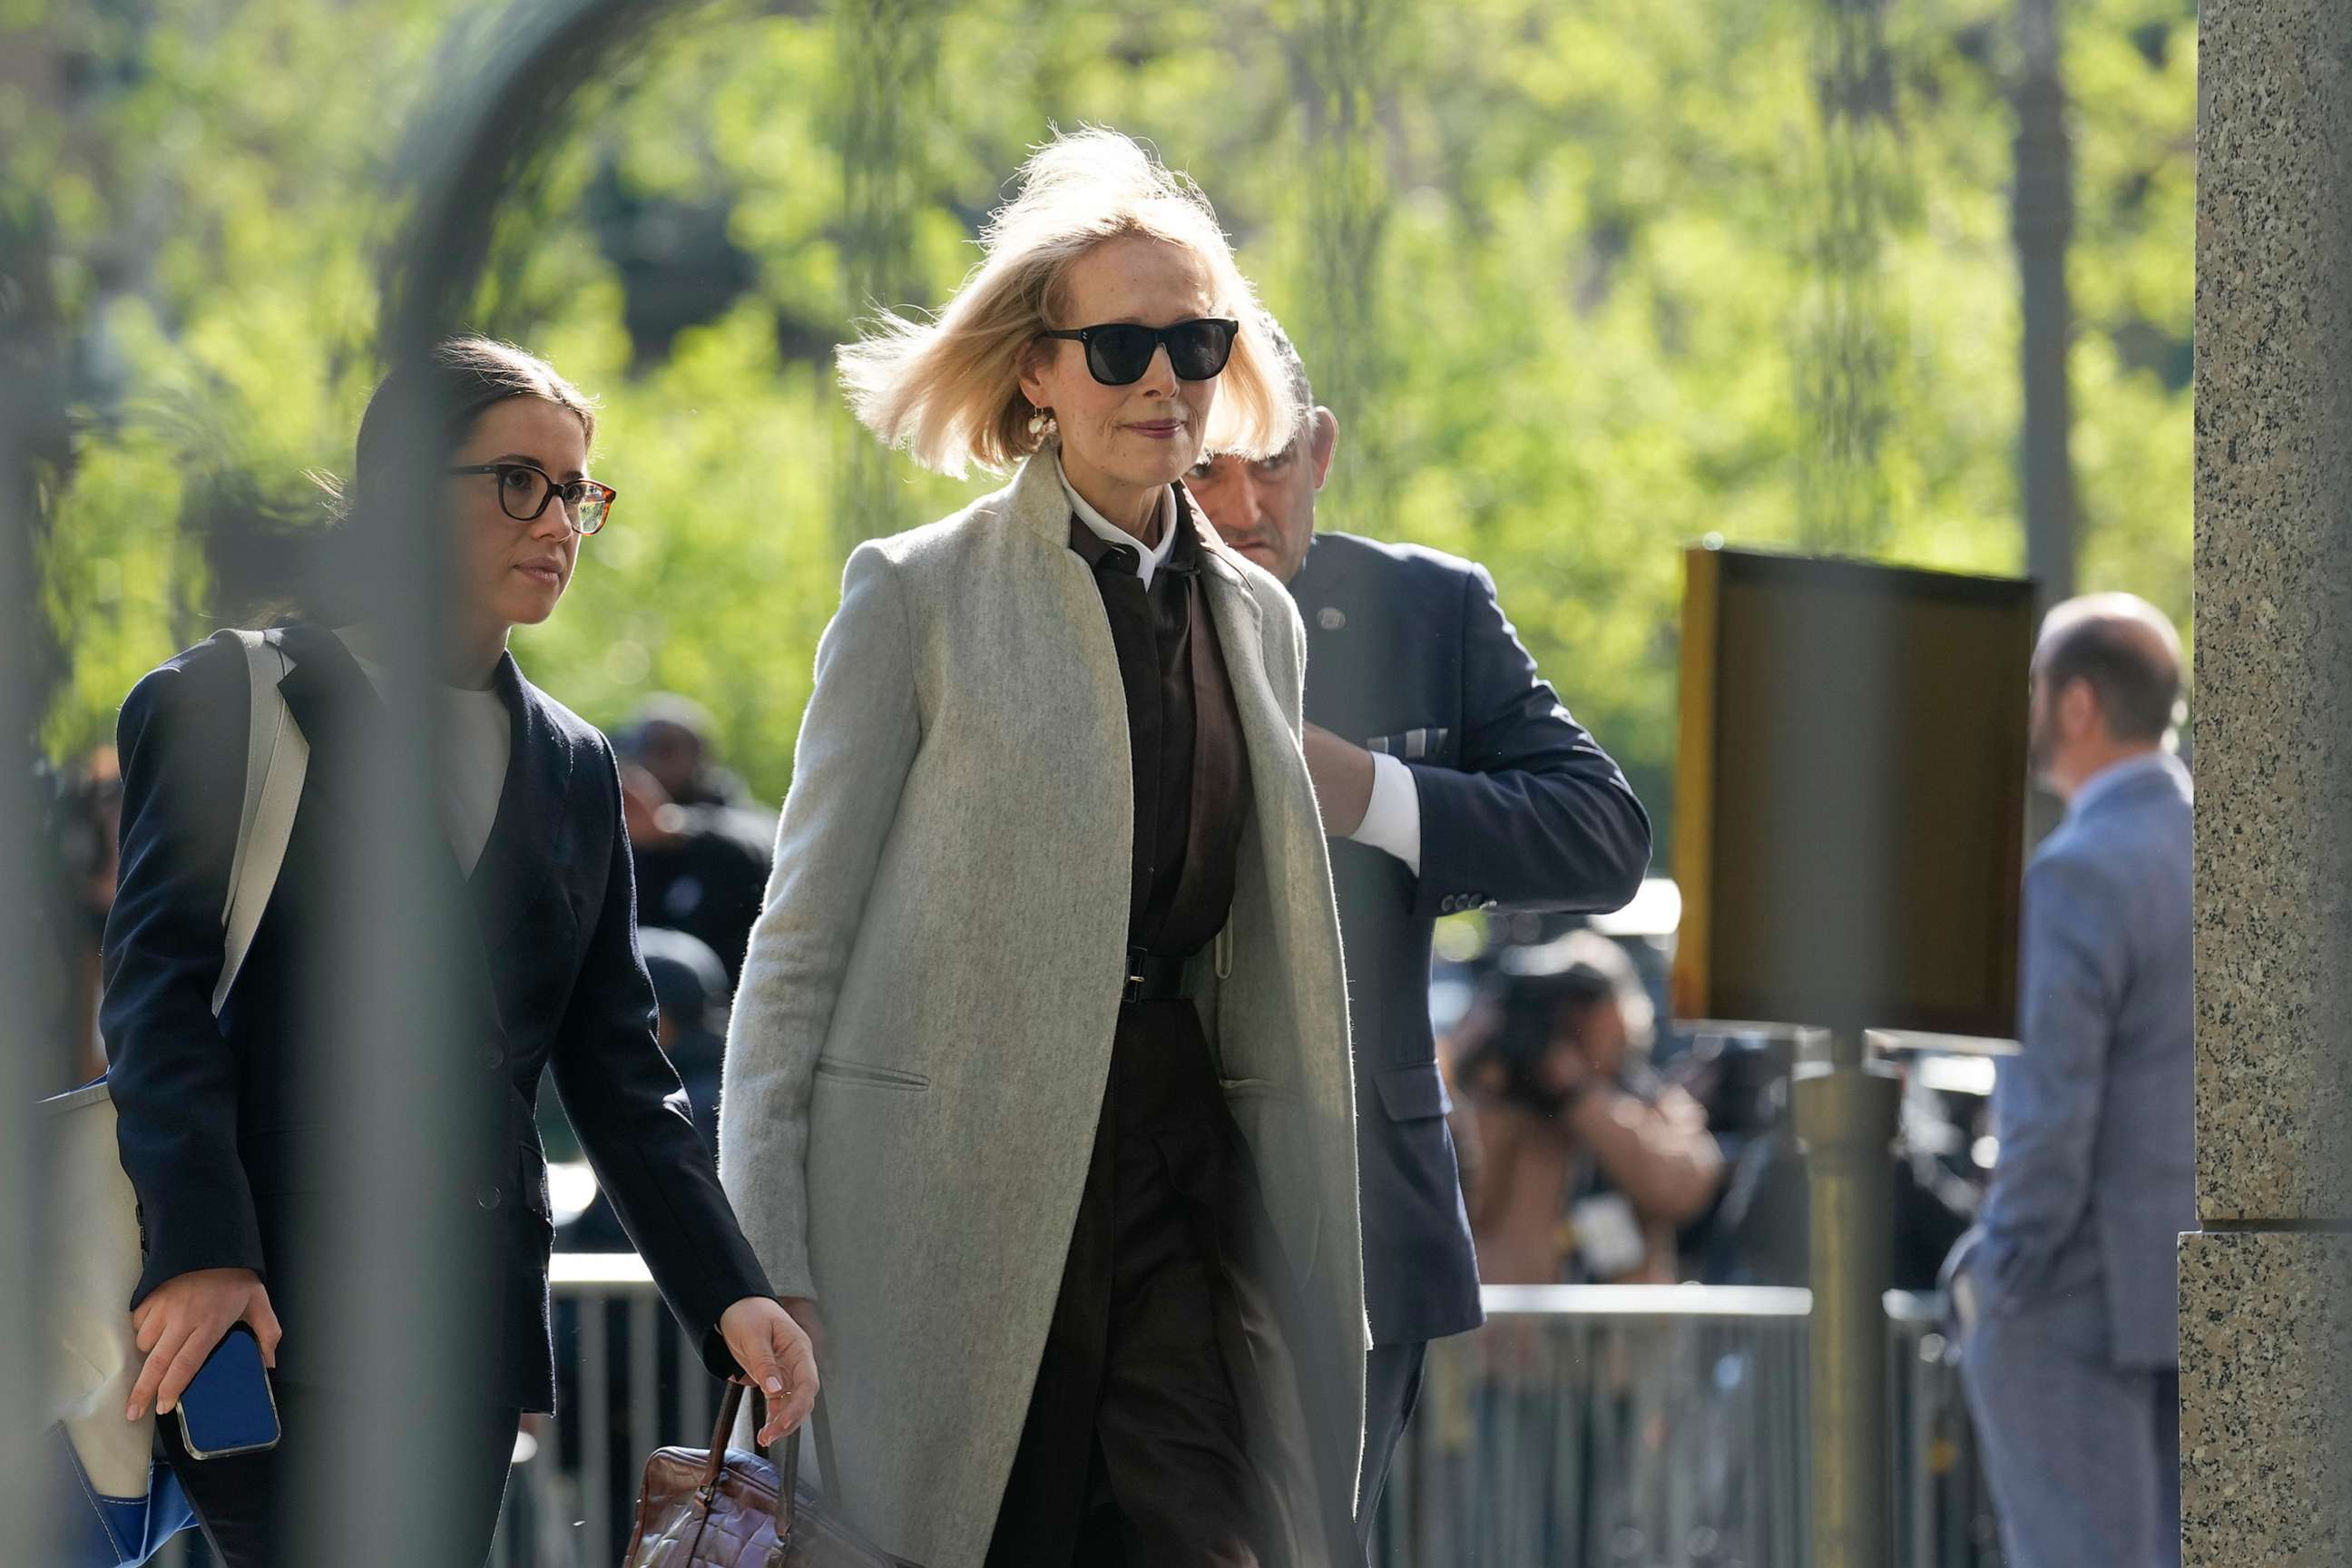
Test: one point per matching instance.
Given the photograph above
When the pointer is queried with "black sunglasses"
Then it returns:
(1119, 352)
(524, 491)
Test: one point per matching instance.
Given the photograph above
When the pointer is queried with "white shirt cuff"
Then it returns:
(1392, 821)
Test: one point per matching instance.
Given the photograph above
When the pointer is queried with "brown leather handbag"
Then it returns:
(715, 1508)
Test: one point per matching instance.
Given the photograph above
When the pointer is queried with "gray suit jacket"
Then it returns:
(923, 1030)
(2097, 1174)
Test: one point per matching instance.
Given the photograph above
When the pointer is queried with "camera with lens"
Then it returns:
(1531, 1004)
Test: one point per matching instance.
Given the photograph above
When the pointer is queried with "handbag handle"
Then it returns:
(788, 1466)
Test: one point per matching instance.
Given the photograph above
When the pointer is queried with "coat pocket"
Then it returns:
(1412, 1093)
(1274, 1126)
(877, 1077)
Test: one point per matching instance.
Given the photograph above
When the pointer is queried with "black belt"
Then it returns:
(1152, 977)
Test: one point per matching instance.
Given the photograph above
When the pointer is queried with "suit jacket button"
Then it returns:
(487, 1197)
(493, 1058)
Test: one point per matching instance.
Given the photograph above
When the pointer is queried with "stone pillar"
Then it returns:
(2266, 1288)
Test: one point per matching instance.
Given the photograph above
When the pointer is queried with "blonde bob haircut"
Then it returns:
(948, 391)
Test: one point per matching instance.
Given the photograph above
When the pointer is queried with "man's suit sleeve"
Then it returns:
(633, 1117)
(2046, 1104)
(172, 1076)
(1536, 815)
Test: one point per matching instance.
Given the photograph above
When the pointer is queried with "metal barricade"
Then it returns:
(1616, 1424)
(1585, 1426)
(1634, 1426)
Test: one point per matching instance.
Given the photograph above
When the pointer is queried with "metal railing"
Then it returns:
(1640, 1427)
(1608, 1425)
(1585, 1426)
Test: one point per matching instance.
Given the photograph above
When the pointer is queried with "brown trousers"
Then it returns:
(1164, 1430)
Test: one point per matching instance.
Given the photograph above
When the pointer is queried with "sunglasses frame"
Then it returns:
(554, 489)
(1159, 340)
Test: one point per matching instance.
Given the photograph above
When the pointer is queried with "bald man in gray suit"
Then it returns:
(2072, 1360)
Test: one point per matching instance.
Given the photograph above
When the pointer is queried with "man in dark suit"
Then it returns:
(1451, 778)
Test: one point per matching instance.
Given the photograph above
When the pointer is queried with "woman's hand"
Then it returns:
(776, 1356)
(182, 1319)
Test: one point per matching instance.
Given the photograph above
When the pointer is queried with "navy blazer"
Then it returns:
(1408, 653)
(222, 1124)
(2097, 1176)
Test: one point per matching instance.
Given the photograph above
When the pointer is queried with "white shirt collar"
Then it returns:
(1103, 528)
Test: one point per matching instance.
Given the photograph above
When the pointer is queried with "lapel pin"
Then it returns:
(1330, 617)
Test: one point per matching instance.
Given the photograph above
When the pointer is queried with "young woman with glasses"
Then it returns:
(1038, 1084)
(221, 1120)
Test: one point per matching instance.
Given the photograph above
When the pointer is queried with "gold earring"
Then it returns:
(1040, 421)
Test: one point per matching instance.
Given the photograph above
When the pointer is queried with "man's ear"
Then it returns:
(2078, 709)
(1322, 441)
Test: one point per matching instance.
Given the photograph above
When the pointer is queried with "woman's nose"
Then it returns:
(1159, 375)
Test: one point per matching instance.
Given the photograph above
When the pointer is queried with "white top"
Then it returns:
(1153, 558)
(481, 743)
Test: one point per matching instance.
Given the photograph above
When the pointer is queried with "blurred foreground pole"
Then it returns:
(1846, 1110)
(24, 1049)
(414, 1216)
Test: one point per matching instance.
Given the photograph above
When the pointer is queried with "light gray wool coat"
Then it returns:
(922, 1033)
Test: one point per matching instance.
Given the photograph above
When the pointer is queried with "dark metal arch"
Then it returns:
(482, 140)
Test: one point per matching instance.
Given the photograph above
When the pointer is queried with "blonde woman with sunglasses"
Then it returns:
(1038, 1088)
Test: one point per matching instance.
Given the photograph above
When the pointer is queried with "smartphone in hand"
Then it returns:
(228, 1408)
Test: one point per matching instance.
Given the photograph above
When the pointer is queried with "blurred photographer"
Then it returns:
(1586, 1163)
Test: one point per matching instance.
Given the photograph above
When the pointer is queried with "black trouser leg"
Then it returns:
(1133, 1453)
(246, 1503)
(1391, 1390)
(1056, 1467)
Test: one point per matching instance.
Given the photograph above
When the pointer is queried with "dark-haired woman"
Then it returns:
(220, 1119)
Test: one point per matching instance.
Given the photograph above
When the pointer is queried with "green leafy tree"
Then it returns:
(1559, 268)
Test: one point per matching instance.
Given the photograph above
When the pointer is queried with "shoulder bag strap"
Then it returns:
(276, 758)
